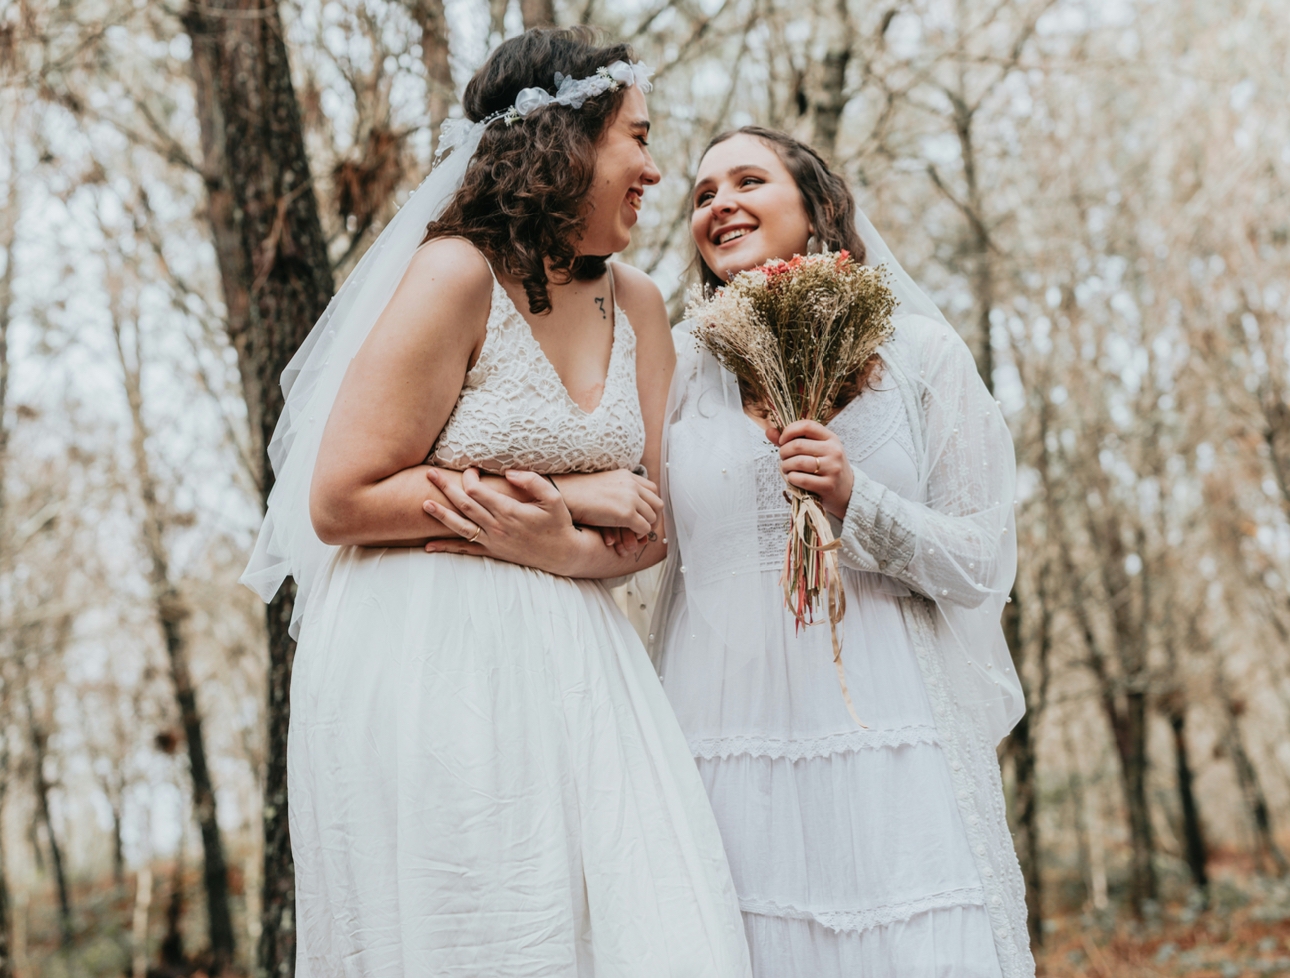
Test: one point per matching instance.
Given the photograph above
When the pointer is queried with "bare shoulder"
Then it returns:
(641, 299)
(454, 269)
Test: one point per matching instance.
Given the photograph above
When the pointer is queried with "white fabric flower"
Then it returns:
(530, 99)
(621, 72)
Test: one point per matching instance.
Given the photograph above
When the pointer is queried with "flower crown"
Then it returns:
(571, 92)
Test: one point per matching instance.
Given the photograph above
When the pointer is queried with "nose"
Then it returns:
(650, 175)
(723, 202)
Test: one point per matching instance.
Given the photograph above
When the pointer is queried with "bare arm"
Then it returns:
(370, 478)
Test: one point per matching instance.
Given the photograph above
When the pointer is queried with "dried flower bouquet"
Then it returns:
(793, 333)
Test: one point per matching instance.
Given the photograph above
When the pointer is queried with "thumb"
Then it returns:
(538, 488)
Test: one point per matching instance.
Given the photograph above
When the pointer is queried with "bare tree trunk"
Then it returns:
(1193, 834)
(1020, 747)
(440, 89)
(8, 234)
(1251, 787)
(172, 610)
(537, 13)
(39, 749)
(277, 281)
(6, 954)
(831, 99)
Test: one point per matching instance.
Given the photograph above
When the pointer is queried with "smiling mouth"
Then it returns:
(733, 235)
(634, 199)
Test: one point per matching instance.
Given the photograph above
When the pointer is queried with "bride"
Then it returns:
(880, 850)
(485, 777)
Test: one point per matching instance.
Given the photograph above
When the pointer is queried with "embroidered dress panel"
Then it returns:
(515, 413)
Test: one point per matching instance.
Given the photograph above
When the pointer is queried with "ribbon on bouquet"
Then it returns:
(820, 557)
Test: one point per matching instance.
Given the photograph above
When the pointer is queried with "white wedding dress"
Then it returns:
(855, 852)
(486, 779)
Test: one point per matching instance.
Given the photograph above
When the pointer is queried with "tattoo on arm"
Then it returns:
(600, 301)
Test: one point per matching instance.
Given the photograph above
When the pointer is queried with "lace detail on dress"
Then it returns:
(797, 750)
(978, 788)
(860, 920)
(514, 412)
(883, 420)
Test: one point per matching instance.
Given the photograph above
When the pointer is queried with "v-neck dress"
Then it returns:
(485, 777)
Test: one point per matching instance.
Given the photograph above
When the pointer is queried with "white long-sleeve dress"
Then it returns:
(485, 778)
(855, 852)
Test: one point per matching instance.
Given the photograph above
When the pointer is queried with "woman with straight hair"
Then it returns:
(879, 849)
(485, 777)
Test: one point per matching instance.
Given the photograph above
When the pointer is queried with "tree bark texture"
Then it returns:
(1193, 834)
(6, 927)
(831, 97)
(277, 281)
(172, 611)
(39, 751)
(1020, 746)
(440, 89)
(1123, 701)
(1252, 790)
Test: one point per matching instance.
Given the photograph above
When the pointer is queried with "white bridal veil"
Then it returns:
(287, 544)
(954, 543)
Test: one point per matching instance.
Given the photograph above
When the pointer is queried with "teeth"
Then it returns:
(731, 235)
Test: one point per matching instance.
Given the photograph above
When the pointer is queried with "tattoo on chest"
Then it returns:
(600, 301)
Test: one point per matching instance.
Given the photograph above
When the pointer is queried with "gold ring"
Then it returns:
(475, 536)
(817, 464)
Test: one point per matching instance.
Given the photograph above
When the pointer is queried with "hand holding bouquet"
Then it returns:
(793, 333)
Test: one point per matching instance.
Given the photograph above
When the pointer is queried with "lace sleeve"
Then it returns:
(952, 546)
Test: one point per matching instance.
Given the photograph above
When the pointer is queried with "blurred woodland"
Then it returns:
(1095, 191)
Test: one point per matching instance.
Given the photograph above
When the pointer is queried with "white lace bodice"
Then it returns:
(514, 412)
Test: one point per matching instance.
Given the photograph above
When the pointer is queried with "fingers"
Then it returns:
(818, 484)
(645, 483)
(537, 486)
(457, 547)
(805, 429)
(465, 503)
(453, 521)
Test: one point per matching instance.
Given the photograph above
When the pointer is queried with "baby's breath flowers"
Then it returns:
(793, 333)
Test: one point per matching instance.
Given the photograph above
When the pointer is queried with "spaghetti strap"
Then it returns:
(473, 245)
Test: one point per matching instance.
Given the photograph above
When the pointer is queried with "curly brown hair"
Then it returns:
(831, 208)
(825, 194)
(522, 200)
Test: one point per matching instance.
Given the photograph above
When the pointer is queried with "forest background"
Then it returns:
(1095, 192)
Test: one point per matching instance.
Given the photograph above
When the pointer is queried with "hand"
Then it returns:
(619, 498)
(624, 542)
(536, 533)
(811, 458)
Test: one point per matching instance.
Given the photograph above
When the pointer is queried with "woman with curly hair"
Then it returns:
(485, 777)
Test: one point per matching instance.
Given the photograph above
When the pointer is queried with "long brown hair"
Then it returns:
(522, 200)
(826, 196)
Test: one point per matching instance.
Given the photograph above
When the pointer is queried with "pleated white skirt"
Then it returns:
(486, 779)
(846, 845)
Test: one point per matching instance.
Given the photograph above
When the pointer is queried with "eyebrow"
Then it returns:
(640, 125)
(734, 171)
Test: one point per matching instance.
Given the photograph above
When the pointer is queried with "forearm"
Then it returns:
(590, 558)
(388, 513)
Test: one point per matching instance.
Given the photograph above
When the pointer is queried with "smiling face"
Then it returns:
(747, 207)
(624, 168)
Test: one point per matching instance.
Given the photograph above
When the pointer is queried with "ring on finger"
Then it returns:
(817, 464)
(475, 536)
